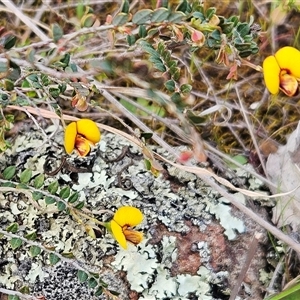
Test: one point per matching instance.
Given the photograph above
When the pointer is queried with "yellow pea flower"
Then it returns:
(80, 136)
(121, 225)
(282, 71)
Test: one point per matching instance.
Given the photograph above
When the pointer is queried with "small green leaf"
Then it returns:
(61, 206)
(185, 88)
(73, 198)
(33, 77)
(53, 187)
(9, 172)
(130, 39)
(241, 159)
(8, 85)
(54, 259)
(22, 186)
(99, 291)
(12, 227)
(64, 192)
(82, 276)
(15, 243)
(25, 176)
(157, 63)
(49, 200)
(13, 297)
(34, 250)
(184, 7)
(31, 55)
(62, 87)
(176, 17)
(243, 29)
(142, 31)
(170, 85)
(146, 135)
(160, 14)
(125, 6)
(66, 59)
(210, 12)
(114, 293)
(142, 16)
(120, 19)
(79, 10)
(92, 283)
(37, 195)
(24, 289)
(8, 184)
(175, 72)
(88, 20)
(8, 41)
(176, 98)
(39, 181)
(68, 254)
(57, 32)
(54, 92)
(147, 164)
(149, 49)
(31, 236)
(80, 205)
(45, 79)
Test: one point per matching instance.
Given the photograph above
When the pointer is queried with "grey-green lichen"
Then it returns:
(189, 201)
(153, 279)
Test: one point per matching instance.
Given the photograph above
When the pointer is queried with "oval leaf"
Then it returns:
(80, 205)
(39, 181)
(82, 276)
(120, 19)
(37, 195)
(160, 14)
(142, 16)
(64, 192)
(57, 32)
(13, 297)
(49, 200)
(34, 250)
(92, 283)
(13, 227)
(31, 236)
(15, 243)
(9, 172)
(176, 17)
(53, 187)
(88, 20)
(73, 198)
(54, 259)
(170, 85)
(25, 176)
(61, 206)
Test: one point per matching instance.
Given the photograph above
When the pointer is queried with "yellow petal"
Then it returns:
(133, 236)
(89, 130)
(288, 58)
(82, 145)
(118, 234)
(128, 215)
(70, 136)
(288, 84)
(271, 72)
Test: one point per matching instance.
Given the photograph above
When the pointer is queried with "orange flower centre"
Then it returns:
(82, 145)
(288, 83)
(132, 236)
